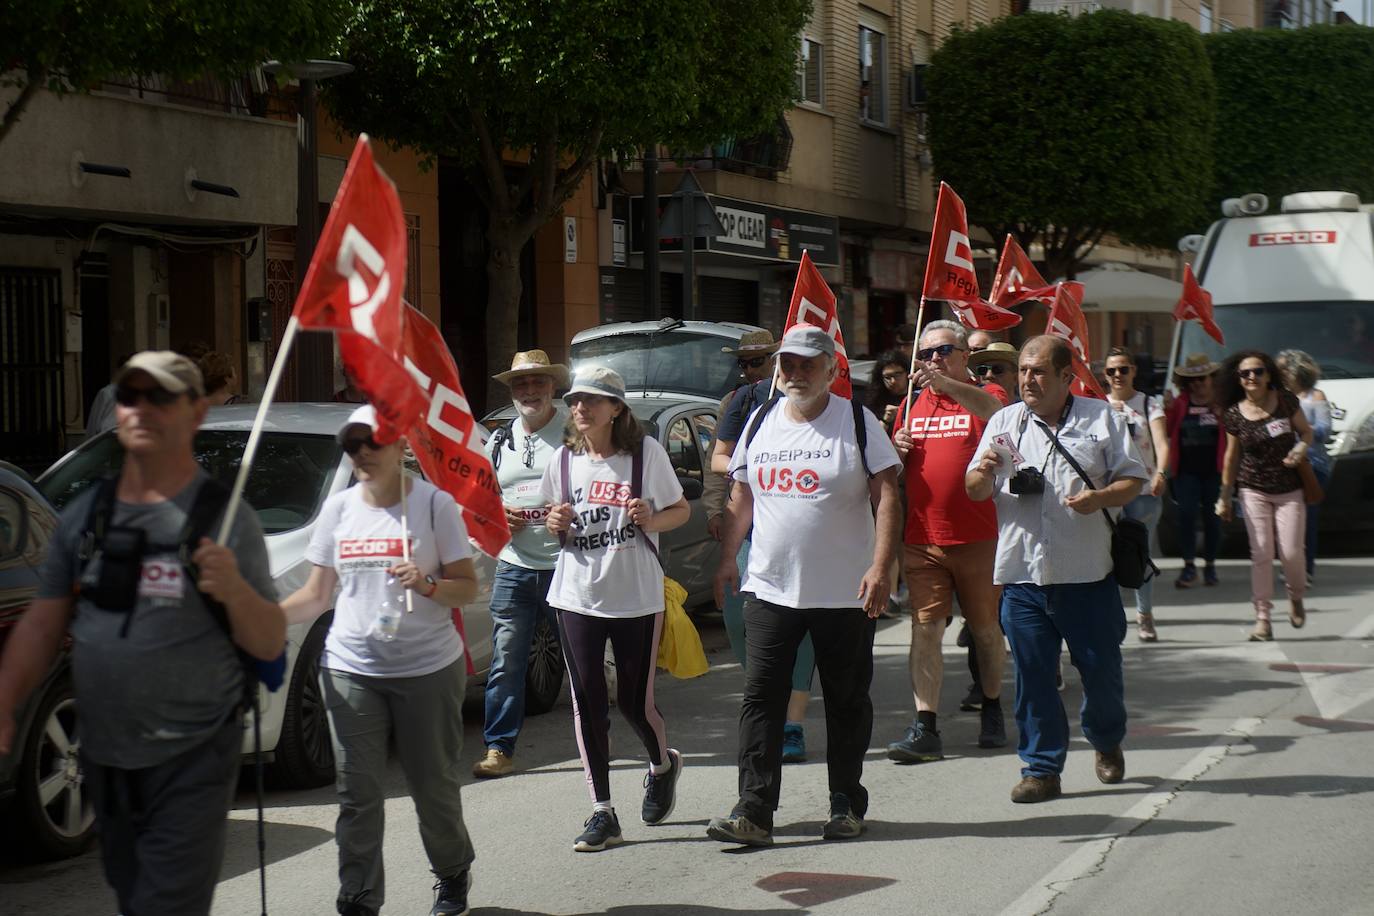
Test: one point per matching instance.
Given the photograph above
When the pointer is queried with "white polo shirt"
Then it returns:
(1039, 539)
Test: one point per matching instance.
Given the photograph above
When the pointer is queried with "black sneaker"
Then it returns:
(843, 824)
(921, 745)
(973, 701)
(992, 730)
(451, 896)
(603, 829)
(660, 792)
(738, 828)
(354, 906)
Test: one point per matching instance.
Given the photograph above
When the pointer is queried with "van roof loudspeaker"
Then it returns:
(1313, 201)
(1249, 205)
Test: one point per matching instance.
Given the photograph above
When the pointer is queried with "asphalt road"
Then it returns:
(1249, 790)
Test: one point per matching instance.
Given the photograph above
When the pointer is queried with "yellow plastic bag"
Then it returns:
(679, 648)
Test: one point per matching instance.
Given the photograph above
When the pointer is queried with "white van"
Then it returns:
(1302, 278)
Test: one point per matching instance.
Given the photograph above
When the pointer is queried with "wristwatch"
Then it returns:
(433, 587)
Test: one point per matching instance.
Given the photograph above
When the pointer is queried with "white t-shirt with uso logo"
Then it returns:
(813, 534)
(605, 569)
(361, 543)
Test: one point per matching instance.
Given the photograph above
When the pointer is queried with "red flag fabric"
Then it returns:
(950, 275)
(1067, 321)
(353, 287)
(445, 437)
(979, 315)
(1017, 280)
(1196, 305)
(813, 302)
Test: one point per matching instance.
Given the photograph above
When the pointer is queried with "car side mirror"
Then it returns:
(691, 487)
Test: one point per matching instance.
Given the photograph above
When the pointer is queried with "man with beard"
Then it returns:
(811, 467)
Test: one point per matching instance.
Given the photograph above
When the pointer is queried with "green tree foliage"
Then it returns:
(1295, 111)
(557, 83)
(1062, 130)
(71, 45)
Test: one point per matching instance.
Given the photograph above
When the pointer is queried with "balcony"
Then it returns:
(243, 95)
(762, 156)
(1076, 7)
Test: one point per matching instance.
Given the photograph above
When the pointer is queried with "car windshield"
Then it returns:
(681, 361)
(289, 479)
(1338, 335)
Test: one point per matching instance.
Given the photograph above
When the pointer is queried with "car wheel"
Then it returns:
(305, 751)
(544, 679)
(52, 794)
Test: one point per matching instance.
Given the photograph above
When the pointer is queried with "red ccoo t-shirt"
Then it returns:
(946, 436)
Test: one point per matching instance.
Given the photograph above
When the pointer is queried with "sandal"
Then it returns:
(1145, 628)
(1297, 614)
(1263, 632)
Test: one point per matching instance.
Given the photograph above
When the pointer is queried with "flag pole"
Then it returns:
(916, 345)
(405, 529)
(250, 450)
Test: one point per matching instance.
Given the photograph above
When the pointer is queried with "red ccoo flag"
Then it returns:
(1017, 280)
(950, 276)
(813, 302)
(1196, 305)
(1067, 321)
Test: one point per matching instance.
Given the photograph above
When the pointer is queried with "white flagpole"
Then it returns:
(916, 345)
(250, 451)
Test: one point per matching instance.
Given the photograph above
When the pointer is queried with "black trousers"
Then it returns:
(843, 638)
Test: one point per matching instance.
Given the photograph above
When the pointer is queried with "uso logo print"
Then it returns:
(608, 493)
(785, 481)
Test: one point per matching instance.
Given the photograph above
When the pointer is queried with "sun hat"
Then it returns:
(597, 380)
(1197, 365)
(807, 340)
(996, 352)
(172, 371)
(534, 362)
(753, 343)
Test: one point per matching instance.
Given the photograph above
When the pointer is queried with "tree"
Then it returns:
(558, 83)
(1295, 111)
(1064, 130)
(71, 45)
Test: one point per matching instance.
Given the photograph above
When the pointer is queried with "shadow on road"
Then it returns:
(649, 909)
(283, 842)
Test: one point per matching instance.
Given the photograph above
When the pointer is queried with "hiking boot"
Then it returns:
(1110, 765)
(973, 700)
(738, 828)
(354, 906)
(494, 764)
(1145, 627)
(451, 896)
(1032, 789)
(793, 744)
(1209, 575)
(1263, 632)
(1187, 578)
(992, 731)
(603, 829)
(921, 745)
(1297, 614)
(660, 792)
(843, 824)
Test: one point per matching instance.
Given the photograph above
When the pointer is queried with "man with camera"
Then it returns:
(164, 624)
(1054, 559)
(950, 541)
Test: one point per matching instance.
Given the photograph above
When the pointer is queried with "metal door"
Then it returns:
(31, 385)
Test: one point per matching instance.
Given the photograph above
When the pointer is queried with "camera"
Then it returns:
(1027, 482)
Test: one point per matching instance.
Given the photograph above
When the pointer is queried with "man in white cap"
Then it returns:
(158, 616)
(811, 467)
(520, 451)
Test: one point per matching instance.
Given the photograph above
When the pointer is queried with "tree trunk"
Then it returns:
(504, 286)
(33, 82)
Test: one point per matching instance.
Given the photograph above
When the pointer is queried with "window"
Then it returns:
(809, 71)
(872, 73)
(1204, 18)
(683, 450)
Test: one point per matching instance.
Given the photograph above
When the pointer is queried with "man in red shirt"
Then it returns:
(950, 540)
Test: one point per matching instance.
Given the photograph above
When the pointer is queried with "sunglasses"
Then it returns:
(1118, 370)
(993, 369)
(944, 350)
(158, 397)
(352, 446)
(755, 362)
(591, 400)
(1252, 373)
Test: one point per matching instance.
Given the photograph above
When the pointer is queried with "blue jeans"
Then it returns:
(1323, 473)
(1197, 495)
(518, 599)
(1089, 617)
(1144, 508)
(733, 612)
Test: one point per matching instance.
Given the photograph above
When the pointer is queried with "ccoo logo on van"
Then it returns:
(1304, 237)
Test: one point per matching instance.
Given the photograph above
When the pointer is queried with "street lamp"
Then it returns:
(314, 352)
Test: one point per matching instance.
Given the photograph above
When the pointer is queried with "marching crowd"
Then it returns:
(995, 489)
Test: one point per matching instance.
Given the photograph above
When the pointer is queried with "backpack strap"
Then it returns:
(636, 491)
(504, 434)
(565, 481)
(861, 435)
(759, 416)
(98, 518)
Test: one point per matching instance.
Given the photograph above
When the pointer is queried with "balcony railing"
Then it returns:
(238, 95)
(763, 156)
(1076, 7)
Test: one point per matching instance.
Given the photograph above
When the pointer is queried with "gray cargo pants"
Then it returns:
(424, 717)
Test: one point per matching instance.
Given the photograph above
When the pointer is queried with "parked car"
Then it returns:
(669, 356)
(40, 781)
(297, 467)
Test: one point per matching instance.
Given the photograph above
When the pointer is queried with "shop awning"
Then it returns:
(1115, 287)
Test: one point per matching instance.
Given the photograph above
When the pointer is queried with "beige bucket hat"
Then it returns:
(753, 343)
(996, 352)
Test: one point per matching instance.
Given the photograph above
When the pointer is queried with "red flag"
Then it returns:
(353, 287)
(1196, 305)
(1017, 280)
(950, 276)
(445, 438)
(813, 302)
(1067, 321)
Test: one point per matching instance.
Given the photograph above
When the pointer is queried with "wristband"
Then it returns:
(433, 587)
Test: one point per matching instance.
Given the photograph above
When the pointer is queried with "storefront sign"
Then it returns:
(754, 230)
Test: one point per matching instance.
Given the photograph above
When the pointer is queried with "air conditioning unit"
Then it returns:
(914, 98)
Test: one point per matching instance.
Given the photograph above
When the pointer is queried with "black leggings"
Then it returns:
(635, 643)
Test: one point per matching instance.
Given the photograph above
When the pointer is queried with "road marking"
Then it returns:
(1090, 857)
(1337, 692)
(1362, 630)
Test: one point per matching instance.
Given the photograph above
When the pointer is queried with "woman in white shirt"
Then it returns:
(608, 584)
(1144, 416)
(393, 670)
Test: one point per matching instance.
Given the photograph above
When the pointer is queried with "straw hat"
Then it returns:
(753, 343)
(1197, 365)
(997, 352)
(534, 362)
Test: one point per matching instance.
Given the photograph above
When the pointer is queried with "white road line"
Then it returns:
(1362, 630)
(1089, 858)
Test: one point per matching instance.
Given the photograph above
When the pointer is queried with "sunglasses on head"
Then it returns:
(1118, 370)
(127, 396)
(752, 362)
(1252, 373)
(352, 446)
(944, 350)
(993, 369)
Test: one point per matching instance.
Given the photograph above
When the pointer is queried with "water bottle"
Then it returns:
(388, 620)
